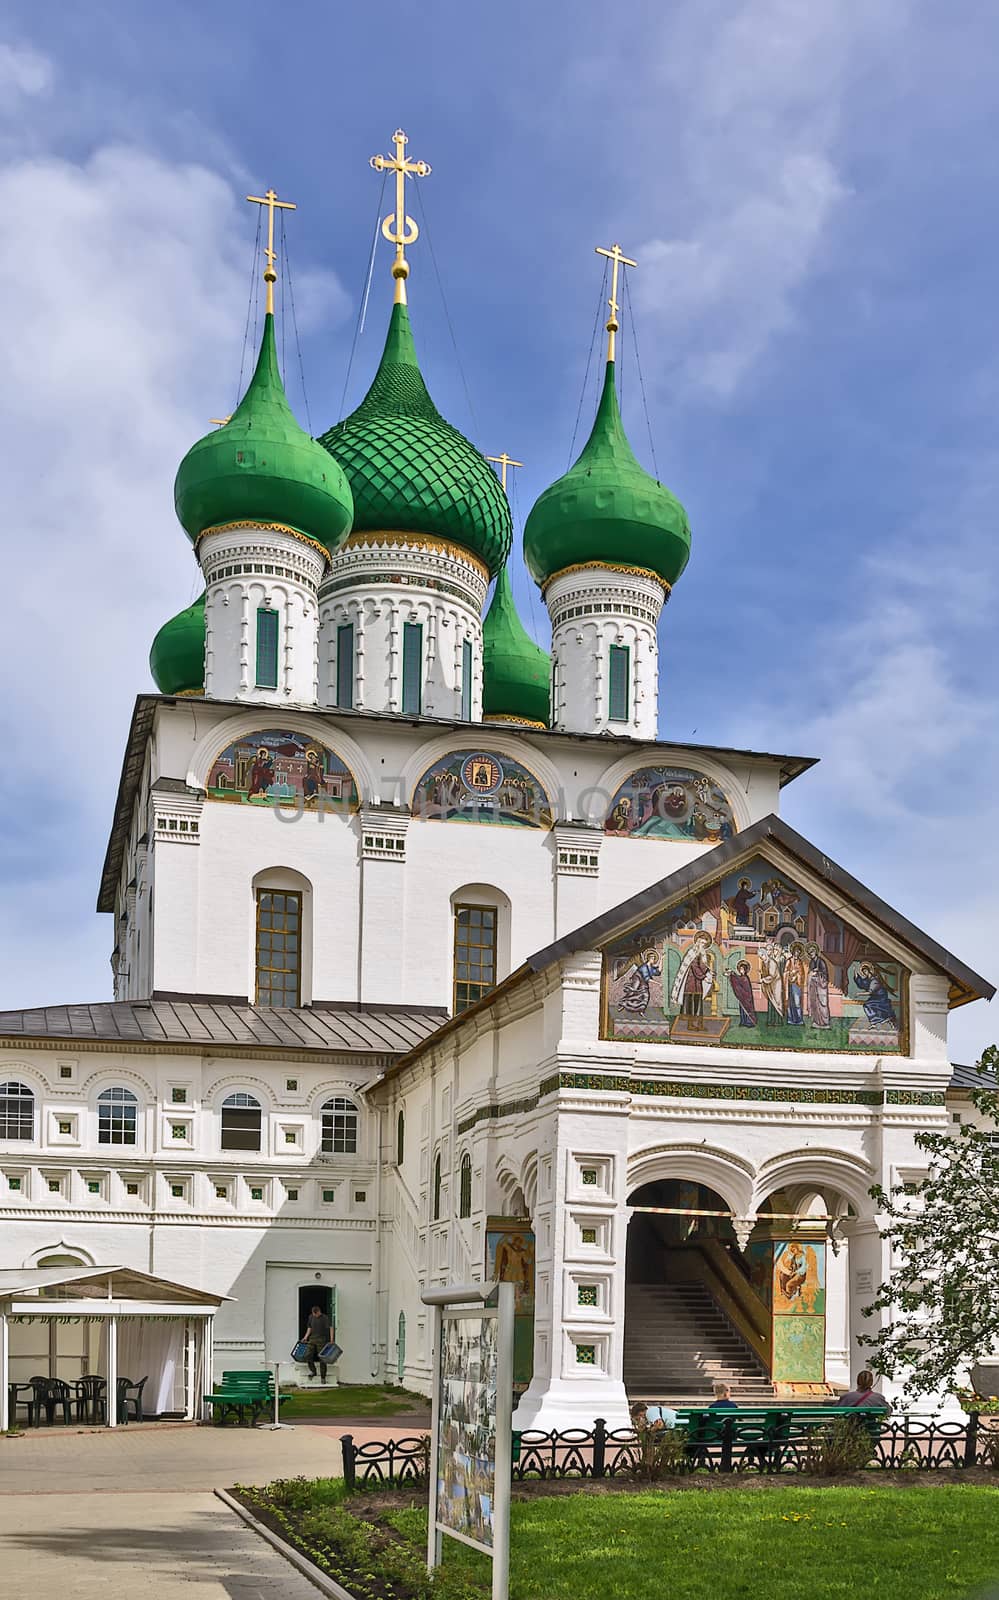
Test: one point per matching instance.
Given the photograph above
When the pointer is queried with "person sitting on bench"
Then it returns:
(317, 1336)
(864, 1395)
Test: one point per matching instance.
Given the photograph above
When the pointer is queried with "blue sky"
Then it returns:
(809, 189)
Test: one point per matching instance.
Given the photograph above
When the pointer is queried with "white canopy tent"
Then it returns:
(112, 1320)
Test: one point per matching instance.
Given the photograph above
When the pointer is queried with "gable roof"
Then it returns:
(966, 984)
(93, 1283)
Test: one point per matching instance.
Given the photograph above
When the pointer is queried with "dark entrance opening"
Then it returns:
(314, 1294)
(653, 1240)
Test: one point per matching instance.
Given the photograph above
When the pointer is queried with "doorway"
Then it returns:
(315, 1294)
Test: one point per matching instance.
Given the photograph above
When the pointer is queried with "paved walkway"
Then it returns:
(130, 1515)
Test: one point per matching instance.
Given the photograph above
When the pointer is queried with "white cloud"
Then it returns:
(22, 72)
(131, 275)
(754, 94)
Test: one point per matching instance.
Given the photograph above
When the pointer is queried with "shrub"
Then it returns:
(843, 1444)
(660, 1452)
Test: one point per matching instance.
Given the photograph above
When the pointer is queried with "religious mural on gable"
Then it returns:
(670, 803)
(755, 960)
(477, 786)
(277, 767)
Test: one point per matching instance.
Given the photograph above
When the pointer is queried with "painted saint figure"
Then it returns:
(637, 991)
(878, 1006)
(794, 985)
(818, 988)
(694, 981)
(742, 988)
(312, 780)
(772, 981)
(740, 901)
(261, 773)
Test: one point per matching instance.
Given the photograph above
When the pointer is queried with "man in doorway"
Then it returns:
(317, 1336)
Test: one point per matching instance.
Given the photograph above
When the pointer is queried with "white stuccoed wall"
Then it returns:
(235, 562)
(381, 929)
(378, 587)
(592, 609)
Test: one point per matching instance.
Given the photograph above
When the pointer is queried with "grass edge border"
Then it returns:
(308, 1569)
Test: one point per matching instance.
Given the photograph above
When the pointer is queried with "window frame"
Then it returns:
(481, 985)
(400, 1138)
(112, 1105)
(467, 668)
(465, 1186)
(259, 967)
(618, 660)
(339, 1106)
(438, 1183)
(411, 698)
(239, 1102)
(266, 615)
(345, 666)
(11, 1092)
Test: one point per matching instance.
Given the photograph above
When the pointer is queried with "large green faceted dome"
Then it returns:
(516, 672)
(607, 509)
(409, 471)
(177, 659)
(262, 467)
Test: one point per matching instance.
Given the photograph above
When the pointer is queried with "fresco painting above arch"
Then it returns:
(275, 766)
(481, 786)
(755, 960)
(671, 803)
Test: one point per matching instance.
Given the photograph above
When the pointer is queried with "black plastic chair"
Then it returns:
(130, 1398)
(14, 1393)
(49, 1394)
(91, 1398)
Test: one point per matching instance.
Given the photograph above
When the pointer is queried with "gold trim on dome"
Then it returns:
(416, 541)
(522, 722)
(264, 527)
(189, 694)
(607, 566)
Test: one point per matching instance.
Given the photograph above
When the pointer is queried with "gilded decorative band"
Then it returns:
(416, 541)
(265, 527)
(607, 566)
(521, 722)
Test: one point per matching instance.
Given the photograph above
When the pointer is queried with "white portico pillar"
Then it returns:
(112, 1372)
(4, 1372)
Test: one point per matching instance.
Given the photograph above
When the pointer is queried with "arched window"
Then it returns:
(400, 1138)
(465, 1187)
(117, 1116)
(437, 1189)
(474, 954)
(279, 948)
(17, 1111)
(340, 1121)
(240, 1122)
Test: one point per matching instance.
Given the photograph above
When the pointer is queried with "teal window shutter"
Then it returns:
(466, 680)
(618, 679)
(267, 648)
(345, 666)
(412, 668)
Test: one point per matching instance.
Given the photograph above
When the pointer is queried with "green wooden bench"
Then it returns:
(245, 1395)
(763, 1433)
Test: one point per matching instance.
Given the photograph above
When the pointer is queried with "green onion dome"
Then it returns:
(409, 470)
(261, 467)
(177, 659)
(607, 510)
(515, 671)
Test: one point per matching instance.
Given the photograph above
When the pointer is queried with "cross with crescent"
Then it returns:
(271, 201)
(503, 461)
(616, 255)
(397, 228)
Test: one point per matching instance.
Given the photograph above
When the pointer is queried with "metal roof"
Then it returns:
(92, 1283)
(965, 1077)
(791, 767)
(231, 1026)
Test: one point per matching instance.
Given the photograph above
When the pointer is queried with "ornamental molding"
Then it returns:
(263, 527)
(606, 566)
(383, 834)
(391, 538)
(577, 851)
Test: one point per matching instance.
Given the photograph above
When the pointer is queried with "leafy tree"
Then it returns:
(942, 1301)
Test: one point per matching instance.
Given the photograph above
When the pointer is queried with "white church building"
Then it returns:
(433, 962)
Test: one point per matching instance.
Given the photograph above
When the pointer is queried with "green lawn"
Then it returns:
(910, 1543)
(352, 1400)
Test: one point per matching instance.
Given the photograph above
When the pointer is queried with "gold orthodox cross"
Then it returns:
(220, 422)
(503, 461)
(271, 201)
(397, 228)
(617, 256)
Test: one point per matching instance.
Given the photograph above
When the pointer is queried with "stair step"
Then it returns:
(678, 1341)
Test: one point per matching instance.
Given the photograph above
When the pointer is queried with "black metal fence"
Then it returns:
(771, 1442)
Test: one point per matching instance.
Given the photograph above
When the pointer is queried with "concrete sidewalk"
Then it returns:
(130, 1515)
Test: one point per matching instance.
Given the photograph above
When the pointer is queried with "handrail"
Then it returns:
(708, 1263)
